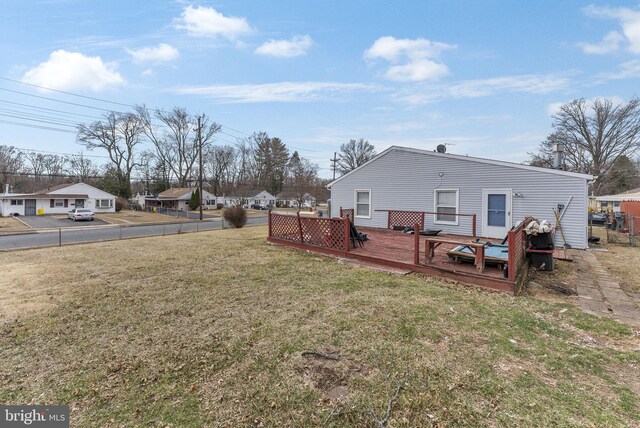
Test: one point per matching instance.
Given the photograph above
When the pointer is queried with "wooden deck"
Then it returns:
(396, 249)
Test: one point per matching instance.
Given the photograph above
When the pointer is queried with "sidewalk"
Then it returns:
(600, 294)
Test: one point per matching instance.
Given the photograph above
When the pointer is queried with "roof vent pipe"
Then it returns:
(6, 189)
(558, 152)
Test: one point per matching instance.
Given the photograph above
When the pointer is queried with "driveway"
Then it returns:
(49, 222)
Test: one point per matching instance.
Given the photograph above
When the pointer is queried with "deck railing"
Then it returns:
(409, 218)
(332, 233)
(346, 213)
(517, 241)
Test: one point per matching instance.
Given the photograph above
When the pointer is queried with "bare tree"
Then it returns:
(11, 163)
(353, 154)
(595, 135)
(176, 141)
(219, 167)
(82, 168)
(118, 134)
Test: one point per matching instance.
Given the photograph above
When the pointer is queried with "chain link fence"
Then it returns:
(65, 236)
(620, 228)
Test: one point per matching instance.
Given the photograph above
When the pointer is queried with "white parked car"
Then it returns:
(81, 214)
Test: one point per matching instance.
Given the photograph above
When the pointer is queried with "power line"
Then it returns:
(66, 93)
(28, 125)
(101, 109)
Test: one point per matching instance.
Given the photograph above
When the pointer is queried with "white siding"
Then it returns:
(403, 180)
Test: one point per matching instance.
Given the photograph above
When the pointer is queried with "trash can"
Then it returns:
(541, 259)
(541, 241)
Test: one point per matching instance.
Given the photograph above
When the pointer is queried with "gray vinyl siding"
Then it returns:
(403, 180)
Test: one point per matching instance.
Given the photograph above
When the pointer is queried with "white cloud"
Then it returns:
(534, 84)
(412, 59)
(275, 92)
(297, 46)
(161, 53)
(148, 73)
(74, 71)
(610, 43)
(416, 71)
(626, 70)
(204, 21)
(629, 20)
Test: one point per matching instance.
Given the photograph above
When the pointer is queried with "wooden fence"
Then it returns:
(517, 241)
(331, 233)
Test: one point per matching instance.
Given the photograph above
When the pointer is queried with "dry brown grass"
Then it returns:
(621, 260)
(133, 333)
(11, 224)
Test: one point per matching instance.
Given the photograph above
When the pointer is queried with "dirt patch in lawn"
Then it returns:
(558, 285)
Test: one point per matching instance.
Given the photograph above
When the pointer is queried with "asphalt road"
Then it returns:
(64, 236)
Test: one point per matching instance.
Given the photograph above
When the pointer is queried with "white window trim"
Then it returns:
(99, 205)
(355, 203)
(435, 206)
(55, 203)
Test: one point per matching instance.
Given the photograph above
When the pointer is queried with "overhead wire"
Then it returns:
(52, 119)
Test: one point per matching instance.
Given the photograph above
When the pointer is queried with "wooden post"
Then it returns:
(340, 212)
(511, 265)
(422, 225)
(269, 223)
(416, 244)
(347, 233)
(480, 259)
(300, 227)
(474, 227)
(389, 219)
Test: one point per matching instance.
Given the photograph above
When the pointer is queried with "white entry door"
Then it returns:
(496, 212)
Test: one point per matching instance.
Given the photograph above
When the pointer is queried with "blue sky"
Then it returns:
(480, 76)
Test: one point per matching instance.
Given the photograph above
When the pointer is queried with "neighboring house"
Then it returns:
(289, 199)
(612, 202)
(499, 193)
(57, 200)
(178, 199)
(249, 197)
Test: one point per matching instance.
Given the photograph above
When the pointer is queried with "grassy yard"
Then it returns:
(11, 224)
(621, 260)
(210, 329)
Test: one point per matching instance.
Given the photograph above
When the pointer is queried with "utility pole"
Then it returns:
(333, 164)
(200, 161)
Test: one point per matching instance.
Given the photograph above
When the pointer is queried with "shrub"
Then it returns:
(219, 206)
(237, 216)
(120, 204)
(194, 202)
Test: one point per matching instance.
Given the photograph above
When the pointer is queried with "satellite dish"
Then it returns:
(441, 148)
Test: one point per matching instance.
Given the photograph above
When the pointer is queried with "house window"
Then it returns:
(104, 203)
(604, 204)
(363, 203)
(446, 206)
(58, 203)
(16, 201)
(616, 205)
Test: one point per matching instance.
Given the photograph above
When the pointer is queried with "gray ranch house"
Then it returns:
(499, 193)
